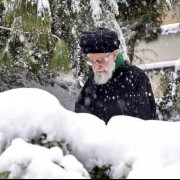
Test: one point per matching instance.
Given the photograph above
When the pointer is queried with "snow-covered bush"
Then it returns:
(169, 104)
(26, 161)
(40, 139)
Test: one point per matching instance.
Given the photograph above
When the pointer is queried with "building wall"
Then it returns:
(166, 48)
(154, 78)
(172, 18)
(173, 15)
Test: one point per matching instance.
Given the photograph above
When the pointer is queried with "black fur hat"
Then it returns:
(99, 40)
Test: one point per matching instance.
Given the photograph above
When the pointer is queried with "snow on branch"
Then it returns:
(169, 2)
(5, 28)
(43, 6)
(114, 6)
(96, 9)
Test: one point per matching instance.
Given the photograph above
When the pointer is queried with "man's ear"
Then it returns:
(115, 53)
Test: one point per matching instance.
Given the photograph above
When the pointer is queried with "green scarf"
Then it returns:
(119, 61)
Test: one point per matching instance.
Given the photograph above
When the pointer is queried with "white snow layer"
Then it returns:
(131, 147)
(170, 29)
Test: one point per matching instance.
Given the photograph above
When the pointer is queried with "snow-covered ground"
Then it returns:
(131, 147)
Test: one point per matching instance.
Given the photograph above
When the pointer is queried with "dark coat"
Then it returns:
(128, 92)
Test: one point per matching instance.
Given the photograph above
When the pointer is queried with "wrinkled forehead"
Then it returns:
(95, 56)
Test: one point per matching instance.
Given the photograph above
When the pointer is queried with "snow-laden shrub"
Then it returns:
(168, 106)
(26, 161)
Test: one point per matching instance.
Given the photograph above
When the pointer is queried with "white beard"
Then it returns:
(103, 77)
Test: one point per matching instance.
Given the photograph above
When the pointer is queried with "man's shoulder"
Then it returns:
(133, 69)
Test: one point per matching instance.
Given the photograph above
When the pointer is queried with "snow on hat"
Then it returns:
(99, 40)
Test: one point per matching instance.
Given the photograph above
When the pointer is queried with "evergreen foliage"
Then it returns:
(6, 60)
(100, 172)
(60, 59)
(42, 140)
(142, 17)
(29, 42)
(22, 16)
(5, 175)
(141, 20)
(41, 47)
(169, 103)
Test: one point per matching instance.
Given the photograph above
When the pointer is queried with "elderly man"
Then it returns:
(115, 87)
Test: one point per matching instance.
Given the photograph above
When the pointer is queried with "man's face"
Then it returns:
(103, 65)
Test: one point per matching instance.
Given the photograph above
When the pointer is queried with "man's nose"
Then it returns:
(97, 66)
